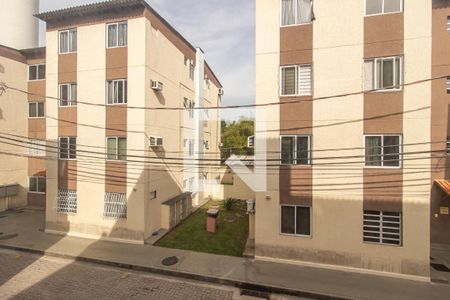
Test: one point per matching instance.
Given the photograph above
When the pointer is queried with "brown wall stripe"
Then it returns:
(67, 120)
(383, 112)
(116, 120)
(296, 43)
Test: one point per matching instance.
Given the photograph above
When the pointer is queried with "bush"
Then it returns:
(228, 203)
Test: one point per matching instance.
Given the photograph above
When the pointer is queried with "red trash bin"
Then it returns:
(211, 220)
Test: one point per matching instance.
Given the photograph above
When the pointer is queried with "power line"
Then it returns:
(401, 158)
(311, 151)
(97, 178)
(7, 87)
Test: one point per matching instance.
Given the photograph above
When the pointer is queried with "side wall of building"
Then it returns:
(13, 120)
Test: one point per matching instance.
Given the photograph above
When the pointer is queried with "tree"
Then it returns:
(234, 137)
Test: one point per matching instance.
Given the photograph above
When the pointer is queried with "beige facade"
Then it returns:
(94, 194)
(337, 185)
(13, 120)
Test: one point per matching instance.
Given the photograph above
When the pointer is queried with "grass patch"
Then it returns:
(229, 239)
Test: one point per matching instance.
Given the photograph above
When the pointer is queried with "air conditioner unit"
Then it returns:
(157, 85)
(156, 141)
(221, 92)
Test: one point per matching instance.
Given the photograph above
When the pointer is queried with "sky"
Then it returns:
(224, 29)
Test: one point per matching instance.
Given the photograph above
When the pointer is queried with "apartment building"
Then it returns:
(360, 132)
(114, 127)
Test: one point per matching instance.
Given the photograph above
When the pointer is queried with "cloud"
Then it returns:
(224, 29)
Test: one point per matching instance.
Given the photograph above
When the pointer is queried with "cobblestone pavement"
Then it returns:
(29, 276)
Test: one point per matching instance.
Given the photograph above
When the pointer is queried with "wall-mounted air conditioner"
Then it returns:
(157, 85)
(156, 141)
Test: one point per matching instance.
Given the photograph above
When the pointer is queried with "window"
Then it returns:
(67, 94)
(383, 151)
(116, 148)
(296, 80)
(36, 184)
(191, 71)
(36, 147)
(117, 91)
(296, 220)
(383, 73)
(36, 110)
(296, 12)
(376, 7)
(382, 227)
(191, 147)
(68, 41)
(68, 148)
(295, 150)
(36, 72)
(190, 105)
(153, 195)
(117, 35)
(67, 201)
(448, 85)
(115, 206)
(448, 24)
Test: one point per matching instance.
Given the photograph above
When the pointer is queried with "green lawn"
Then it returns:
(229, 239)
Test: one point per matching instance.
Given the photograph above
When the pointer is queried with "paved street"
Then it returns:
(28, 276)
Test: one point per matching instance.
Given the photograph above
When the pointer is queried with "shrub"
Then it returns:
(228, 203)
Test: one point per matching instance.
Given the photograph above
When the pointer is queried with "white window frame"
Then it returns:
(381, 226)
(295, 149)
(37, 185)
(69, 42)
(37, 109)
(70, 102)
(37, 72)
(297, 68)
(68, 148)
(400, 154)
(117, 35)
(295, 221)
(117, 148)
(296, 15)
(374, 61)
(36, 147)
(402, 8)
(124, 92)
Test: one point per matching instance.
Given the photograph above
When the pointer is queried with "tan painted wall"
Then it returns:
(52, 125)
(267, 119)
(13, 120)
(416, 130)
(238, 189)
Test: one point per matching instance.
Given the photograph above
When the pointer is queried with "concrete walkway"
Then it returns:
(23, 231)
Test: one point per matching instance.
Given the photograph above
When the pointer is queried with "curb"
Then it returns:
(198, 277)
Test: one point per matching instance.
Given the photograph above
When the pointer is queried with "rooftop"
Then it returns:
(106, 10)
